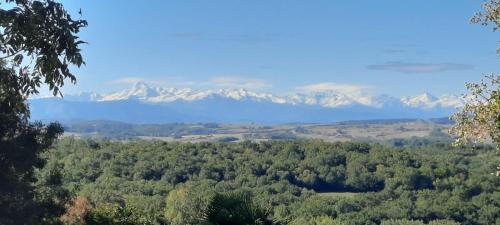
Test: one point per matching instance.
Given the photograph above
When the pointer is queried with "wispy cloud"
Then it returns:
(239, 82)
(213, 82)
(341, 88)
(404, 67)
(155, 82)
(127, 80)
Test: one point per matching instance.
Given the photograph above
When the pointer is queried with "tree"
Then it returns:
(46, 34)
(235, 209)
(489, 16)
(319, 220)
(112, 214)
(21, 143)
(479, 119)
(412, 222)
(77, 211)
(185, 205)
(43, 33)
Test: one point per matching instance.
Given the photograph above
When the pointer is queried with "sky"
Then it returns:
(394, 47)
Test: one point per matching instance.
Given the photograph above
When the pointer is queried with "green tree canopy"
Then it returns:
(38, 44)
(45, 34)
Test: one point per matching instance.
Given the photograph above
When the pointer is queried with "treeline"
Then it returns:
(294, 182)
(119, 130)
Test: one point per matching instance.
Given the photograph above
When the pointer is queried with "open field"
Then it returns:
(381, 130)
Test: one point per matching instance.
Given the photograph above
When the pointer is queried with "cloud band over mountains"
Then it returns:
(338, 87)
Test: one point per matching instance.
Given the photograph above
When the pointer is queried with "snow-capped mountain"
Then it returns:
(428, 101)
(143, 92)
(331, 99)
(143, 103)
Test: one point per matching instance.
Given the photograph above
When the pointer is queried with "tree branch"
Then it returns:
(8, 56)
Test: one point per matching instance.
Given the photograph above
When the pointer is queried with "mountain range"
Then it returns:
(146, 104)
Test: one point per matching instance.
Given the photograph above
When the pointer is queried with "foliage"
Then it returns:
(44, 32)
(112, 214)
(351, 183)
(319, 220)
(235, 208)
(490, 14)
(479, 119)
(119, 130)
(21, 143)
(410, 222)
(76, 212)
(228, 139)
(186, 204)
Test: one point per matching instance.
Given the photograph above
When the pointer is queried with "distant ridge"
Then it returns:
(145, 104)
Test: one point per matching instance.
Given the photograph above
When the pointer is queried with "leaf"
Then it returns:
(18, 59)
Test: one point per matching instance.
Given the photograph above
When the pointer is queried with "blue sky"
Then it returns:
(390, 47)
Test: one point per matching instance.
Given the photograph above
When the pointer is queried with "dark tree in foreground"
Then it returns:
(37, 46)
(21, 143)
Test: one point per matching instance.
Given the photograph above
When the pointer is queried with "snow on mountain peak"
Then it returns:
(428, 101)
(142, 91)
(330, 99)
(139, 90)
(424, 100)
(426, 97)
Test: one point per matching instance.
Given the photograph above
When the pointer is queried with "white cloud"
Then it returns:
(214, 82)
(348, 92)
(238, 82)
(168, 81)
(336, 87)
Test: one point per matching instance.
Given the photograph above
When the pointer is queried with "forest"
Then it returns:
(291, 182)
(256, 177)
